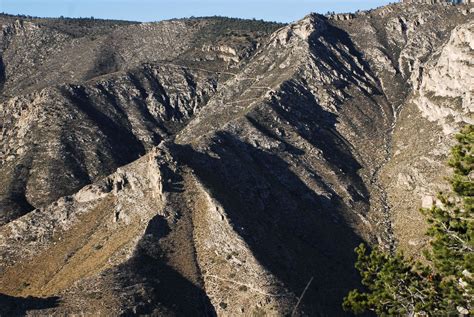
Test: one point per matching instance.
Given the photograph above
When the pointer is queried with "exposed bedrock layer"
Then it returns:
(215, 166)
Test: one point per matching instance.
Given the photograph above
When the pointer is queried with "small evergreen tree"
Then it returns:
(396, 286)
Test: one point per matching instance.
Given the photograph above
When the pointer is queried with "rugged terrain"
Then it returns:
(215, 166)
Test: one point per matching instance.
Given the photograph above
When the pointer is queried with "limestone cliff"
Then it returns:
(215, 166)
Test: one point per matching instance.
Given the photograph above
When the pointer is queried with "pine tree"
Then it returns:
(396, 286)
(451, 227)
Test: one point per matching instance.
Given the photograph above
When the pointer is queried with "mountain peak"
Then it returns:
(217, 166)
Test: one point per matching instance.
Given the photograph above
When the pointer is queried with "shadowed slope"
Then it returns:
(289, 228)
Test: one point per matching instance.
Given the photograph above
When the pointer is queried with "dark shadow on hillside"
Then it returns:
(112, 122)
(151, 287)
(19, 306)
(107, 61)
(299, 108)
(173, 182)
(3, 75)
(292, 231)
(357, 71)
(13, 201)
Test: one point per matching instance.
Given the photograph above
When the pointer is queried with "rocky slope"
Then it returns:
(216, 166)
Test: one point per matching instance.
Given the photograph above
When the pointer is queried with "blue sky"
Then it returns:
(155, 10)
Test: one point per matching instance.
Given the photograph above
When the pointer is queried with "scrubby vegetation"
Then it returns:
(75, 27)
(444, 286)
(220, 28)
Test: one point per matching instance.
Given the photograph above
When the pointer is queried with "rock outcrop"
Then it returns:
(216, 166)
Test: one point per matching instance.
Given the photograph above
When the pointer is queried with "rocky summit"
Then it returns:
(217, 166)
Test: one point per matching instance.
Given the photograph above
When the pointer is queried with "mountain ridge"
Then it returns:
(220, 179)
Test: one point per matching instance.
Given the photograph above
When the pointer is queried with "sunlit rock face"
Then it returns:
(215, 166)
